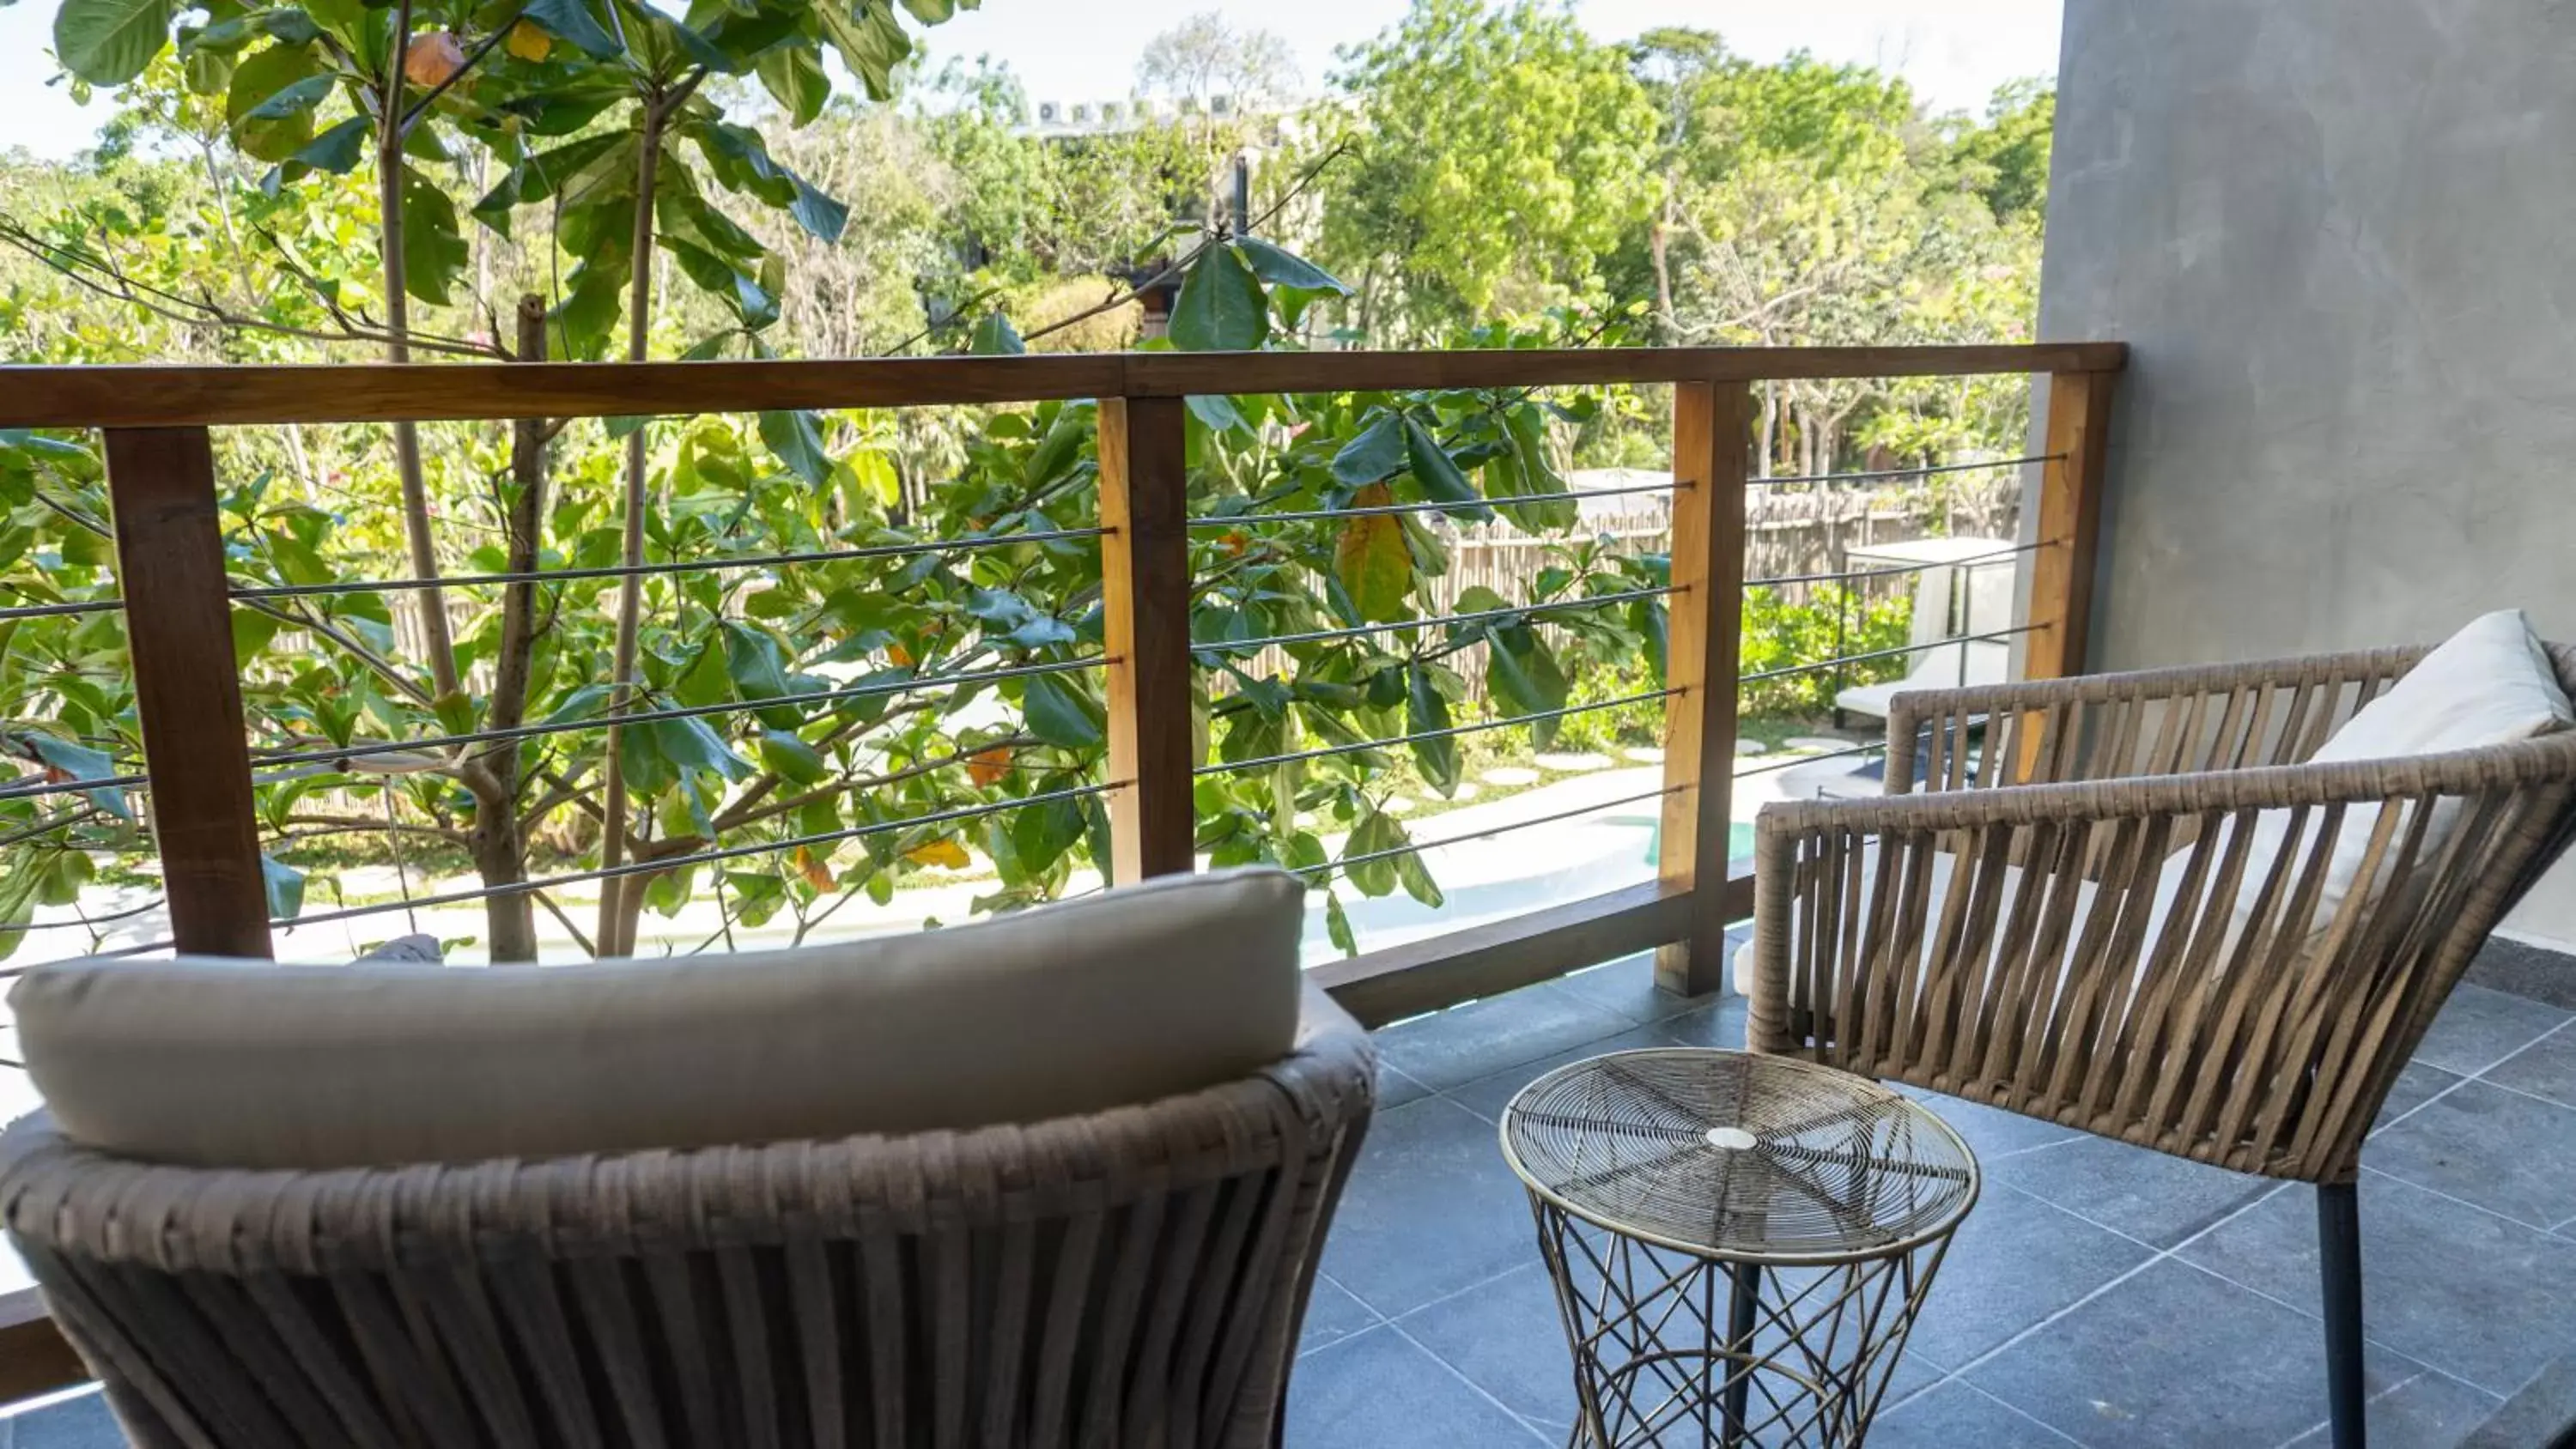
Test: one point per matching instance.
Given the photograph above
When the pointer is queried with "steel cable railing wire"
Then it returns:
(651, 570)
(1851, 575)
(1877, 474)
(1787, 762)
(1316, 636)
(372, 749)
(33, 789)
(56, 611)
(1329, 515)
(1334, 867)
(1392, 741)
(1839, 660)
(703, 857)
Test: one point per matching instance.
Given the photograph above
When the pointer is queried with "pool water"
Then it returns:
(1739, 842)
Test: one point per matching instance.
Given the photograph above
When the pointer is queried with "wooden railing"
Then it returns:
(178, 601)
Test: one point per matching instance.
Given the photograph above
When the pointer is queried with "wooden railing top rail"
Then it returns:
(181, 396)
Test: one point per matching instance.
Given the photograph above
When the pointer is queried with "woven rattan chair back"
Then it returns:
(2077, 919)
(1136, 1277)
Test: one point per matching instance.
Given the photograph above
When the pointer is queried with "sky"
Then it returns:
(1954, 51)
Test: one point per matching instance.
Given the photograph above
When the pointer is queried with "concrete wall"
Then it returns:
(2341, 236)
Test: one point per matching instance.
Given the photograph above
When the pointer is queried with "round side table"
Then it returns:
(1739, 1243)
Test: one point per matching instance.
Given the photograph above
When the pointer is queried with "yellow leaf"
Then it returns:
(901, 656)
(989, 766)
(1371, 560)
(527, 42)
(816, 870)
(946, 854)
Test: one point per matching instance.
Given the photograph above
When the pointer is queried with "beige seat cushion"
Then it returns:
(1160, 988)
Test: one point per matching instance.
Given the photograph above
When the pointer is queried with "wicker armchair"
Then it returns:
(1134, 1276)
(2076, 919)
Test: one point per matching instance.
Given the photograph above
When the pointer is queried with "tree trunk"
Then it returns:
(423, 544)
(615, 923)
(500, 844)
(1659, 247)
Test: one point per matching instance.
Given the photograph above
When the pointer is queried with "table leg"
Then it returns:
(1742, 1297)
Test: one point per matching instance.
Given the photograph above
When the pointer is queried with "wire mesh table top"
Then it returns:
(1729, 1154)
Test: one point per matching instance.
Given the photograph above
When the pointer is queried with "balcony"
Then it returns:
(2101, 1294)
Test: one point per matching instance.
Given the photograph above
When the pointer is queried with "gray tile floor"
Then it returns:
(2100, 1295)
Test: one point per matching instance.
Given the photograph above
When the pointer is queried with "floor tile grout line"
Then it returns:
(2293, 1441)
(1451, 1092)
(2263, 1189)
(1457, 1293)
(2458, 1080)
(2069, 1139)
(2459, 1201)
(2115, 1281)
(2317, 1316)
(2512, 1090)
(2019, 1412)
(2552, 1030)
(1460, 1375)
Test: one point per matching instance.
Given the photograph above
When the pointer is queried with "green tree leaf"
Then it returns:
(297, 99)
(1377, 831)
(758, 669)
(1439, 476)
(796, 438)
(109, 42)
(996, 337)
(740, 161)
(1337, 924)
(1060, 714)
(870, 41)
(1377, 451)
(1417, 881)
(1216, 410)
(284, 886)
(570, 20)
(1523, 471)
(270, 101)
(1221, 307)
(1425, 709)
(796, 79)
(793, 760)
(1282, 268)
(339, 149)
(434, 253)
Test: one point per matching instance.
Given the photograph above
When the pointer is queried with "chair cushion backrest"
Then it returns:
(1164, 987)
(2492, 683)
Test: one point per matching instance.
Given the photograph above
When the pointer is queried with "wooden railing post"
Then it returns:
(1711, 422)
(2070, 523)
(1145, 598)
(178, 627)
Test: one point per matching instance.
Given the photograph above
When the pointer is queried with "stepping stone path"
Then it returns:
(1751, 747)
(1573, 763)
(1644, 755)
(1507, 777)
(1818, 742)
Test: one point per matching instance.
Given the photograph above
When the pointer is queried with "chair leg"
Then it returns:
(2339, 1251)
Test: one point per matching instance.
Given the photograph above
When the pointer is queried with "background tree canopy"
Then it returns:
(466, 179)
